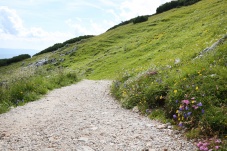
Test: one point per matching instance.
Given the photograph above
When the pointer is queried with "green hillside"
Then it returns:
(155, 66)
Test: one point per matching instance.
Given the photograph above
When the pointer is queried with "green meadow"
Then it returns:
(158, 65)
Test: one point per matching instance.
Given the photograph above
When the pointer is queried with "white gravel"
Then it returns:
(84, 117)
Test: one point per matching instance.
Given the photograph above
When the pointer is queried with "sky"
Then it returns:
(33, 25)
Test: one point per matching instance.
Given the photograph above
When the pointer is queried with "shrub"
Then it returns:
(174, 4)
(140, 19)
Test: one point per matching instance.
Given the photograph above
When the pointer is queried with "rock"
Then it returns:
(41, 62)
(84, 148)
(135, 109)
(169, 127)
(149, 144)
(163, 126)
(83, 139)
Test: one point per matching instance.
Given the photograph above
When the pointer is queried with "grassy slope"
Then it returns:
(179, 33)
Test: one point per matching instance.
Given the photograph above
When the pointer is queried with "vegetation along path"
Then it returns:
(84, 117)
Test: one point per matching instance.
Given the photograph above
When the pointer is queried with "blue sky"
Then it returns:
(38, 24)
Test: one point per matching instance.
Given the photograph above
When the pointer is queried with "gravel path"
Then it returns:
(84, 117)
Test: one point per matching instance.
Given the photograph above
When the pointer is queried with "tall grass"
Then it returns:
(26, 89)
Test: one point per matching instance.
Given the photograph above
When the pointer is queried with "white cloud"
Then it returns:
(10, 22)
(14, 34)
(88, 26)
(132, 8)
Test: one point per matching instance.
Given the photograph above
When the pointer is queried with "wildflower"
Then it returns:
(186, 108)
(200, 104)
(180, 124)
(217, 147)
(197, 88)
(204, 148)
(199, 144)
(203, 111)
(181, 108)
(193, 98)
(177, 111)
(175, 91)
(176, 101)
(186, 102)
(174, 116)
(193, 101)
(189, 113)
(195, 107)
(218, 141)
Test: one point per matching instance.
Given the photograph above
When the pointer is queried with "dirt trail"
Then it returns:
(84, 117)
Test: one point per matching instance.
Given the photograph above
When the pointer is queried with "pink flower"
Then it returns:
(204, 148)
(186, 102)
(218, 141)
(199, 144)
(216, 147)
(195, 107)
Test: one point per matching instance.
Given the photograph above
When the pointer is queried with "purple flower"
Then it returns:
(174, 116)
(203, 111)
(200, 104)
(186, 108)
(189, 113)
(185, 115)
(186, 102)
(180, 124)
(176, 101)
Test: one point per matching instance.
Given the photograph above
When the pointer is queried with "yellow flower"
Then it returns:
(197, 88)
(178, 118)
(182, 118)
(175, 91)
(184, 79)
(177, 111)
(193, 101)
(161, 97)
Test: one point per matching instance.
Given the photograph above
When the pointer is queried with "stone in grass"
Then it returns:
(135, 109)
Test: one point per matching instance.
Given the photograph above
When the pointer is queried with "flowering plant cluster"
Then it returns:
(209, 145)
(188, 113)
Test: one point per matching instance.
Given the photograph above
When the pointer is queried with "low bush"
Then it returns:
(174, 4)
(140, 19)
